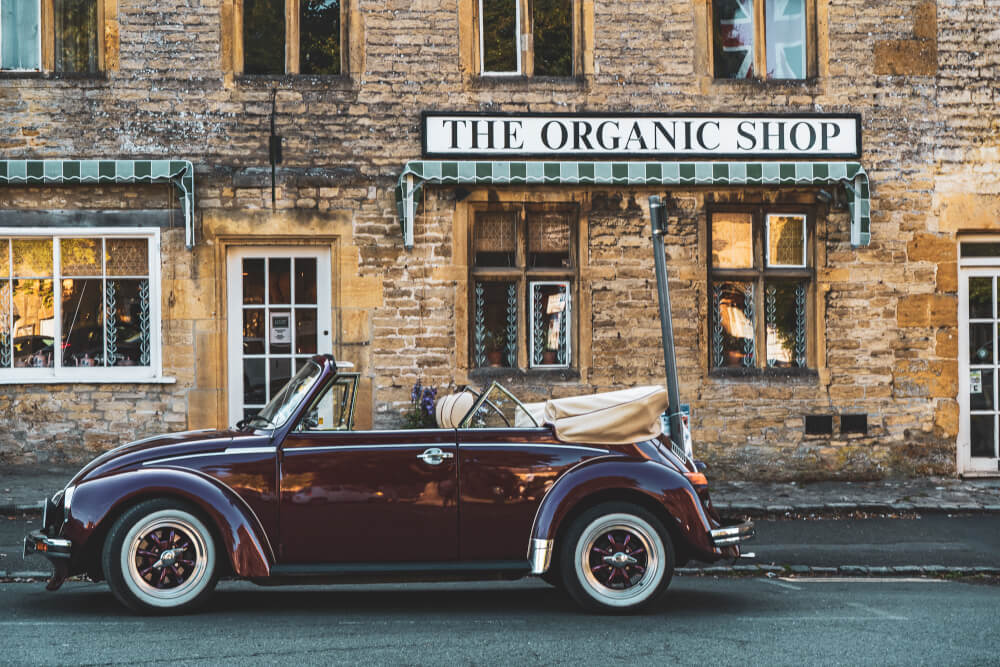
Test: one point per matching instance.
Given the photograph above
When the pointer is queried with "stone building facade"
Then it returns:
(883, 388)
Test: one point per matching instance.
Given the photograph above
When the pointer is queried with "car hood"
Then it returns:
(157, 446)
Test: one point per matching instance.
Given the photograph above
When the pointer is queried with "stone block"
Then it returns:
(205, 409)
(946, 418)
(931, 248)
(927, 310)
(915, 57)
(968, 211)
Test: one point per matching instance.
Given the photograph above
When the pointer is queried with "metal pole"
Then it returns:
(657, 216)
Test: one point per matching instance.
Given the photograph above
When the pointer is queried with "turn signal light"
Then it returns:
(41, 546)
(697, 478)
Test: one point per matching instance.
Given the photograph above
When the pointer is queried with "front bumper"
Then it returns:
(733, 534)
(57, 549)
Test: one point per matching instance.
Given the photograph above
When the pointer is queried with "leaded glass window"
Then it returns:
(759, 293)
(73, 41)
(521, 289)
(76, 302)
(20, 35)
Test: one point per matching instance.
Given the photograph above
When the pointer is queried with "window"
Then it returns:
(763, 39)
(528, 38)
(75, 44)
(523, 277)
(292, 37)
(78, 306)
(760, 286)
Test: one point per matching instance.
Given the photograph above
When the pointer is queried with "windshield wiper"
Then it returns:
(267, 421)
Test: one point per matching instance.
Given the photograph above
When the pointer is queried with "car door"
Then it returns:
(367, 496)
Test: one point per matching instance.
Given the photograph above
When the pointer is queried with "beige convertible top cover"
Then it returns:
(611, 418)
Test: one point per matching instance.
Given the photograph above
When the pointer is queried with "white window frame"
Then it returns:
(518, 39)
(567, 313)
(38, 6)
(767, 240)
(95, 375)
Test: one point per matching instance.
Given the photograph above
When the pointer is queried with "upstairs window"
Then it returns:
(292, 37)
(522, 38)
(75, 41)
(523, 279)
(763, 39)
(760, 290)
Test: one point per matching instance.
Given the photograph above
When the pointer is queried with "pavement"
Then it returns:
(22, 487)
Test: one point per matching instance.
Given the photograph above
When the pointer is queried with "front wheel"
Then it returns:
(159, 557)
(617, 557)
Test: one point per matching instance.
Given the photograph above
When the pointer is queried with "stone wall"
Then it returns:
(922, 74)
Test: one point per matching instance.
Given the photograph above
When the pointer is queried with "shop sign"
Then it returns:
(622, 136)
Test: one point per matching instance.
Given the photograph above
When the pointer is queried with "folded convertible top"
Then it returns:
(611, 418)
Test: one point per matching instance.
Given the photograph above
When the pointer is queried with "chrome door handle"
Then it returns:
(434, 456)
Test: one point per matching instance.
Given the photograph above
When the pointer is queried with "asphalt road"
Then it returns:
(933, 539)
(702, 620)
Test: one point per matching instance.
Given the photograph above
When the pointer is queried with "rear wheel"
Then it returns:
(159, 557)
(616, 557)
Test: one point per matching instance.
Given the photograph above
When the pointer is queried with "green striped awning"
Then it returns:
(851, 174)
(58, 172)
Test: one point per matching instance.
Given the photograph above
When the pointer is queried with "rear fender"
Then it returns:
(604, 479)
(97, 502)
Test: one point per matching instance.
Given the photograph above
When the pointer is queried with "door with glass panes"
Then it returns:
(279, 315)
(979, 315)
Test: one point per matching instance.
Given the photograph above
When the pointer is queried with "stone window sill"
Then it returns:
(55, 76)
(89, 379)
(296, 81)
(550, 83)
(768, 84)
(801, 375)
(515, 375)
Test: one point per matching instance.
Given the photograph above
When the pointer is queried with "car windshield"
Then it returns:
(281, 407)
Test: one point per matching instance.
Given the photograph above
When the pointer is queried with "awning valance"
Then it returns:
(851, 174)
(58, 172)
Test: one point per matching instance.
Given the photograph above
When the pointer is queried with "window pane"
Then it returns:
(980, 249)
(981, 437)
(280, 332)
(319, 38)
(732, 240)
(981, 298)
(305, 280)
(127, 257)
(980, 344)
(305, 331)
(279, 280)
(5, 325)
(785, 26)
(34, 323)
(786, 237)
(281, 373)
(785, 316)
(264, 36)
(548, 240)
(550, 333)
(32, 258)
(254, 381)
(253, 331)
(4, 258)
(253, 281)
(127, 328)
(553, 34)
(81, 257)
(981, 394)
(499, 35)
(733, 38)
(19, 48)
(75, 23)
(494, 235)
(494, 329)
(82, 322)
(733, 324)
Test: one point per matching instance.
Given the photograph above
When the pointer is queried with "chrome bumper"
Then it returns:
(734, 534)
(540, 555)
(50, 547)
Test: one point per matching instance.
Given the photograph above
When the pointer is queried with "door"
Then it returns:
(279, 315)
(979, 431)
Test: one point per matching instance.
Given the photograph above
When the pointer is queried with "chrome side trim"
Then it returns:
(334, 448)
(540, 555)
(67, 499)
(250, 450)
(230, 451)
(534, 446)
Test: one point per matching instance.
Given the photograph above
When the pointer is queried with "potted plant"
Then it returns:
(496, 345)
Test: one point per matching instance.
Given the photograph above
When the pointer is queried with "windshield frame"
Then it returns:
(484, 398)
(283, 406)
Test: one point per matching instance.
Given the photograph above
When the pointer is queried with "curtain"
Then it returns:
(19, 39)
(75, 23)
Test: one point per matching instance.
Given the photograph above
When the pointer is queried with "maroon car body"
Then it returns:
(290, 505)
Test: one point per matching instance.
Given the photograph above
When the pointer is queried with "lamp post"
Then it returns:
(658, 220)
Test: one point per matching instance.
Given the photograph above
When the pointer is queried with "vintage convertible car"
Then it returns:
(585, 492)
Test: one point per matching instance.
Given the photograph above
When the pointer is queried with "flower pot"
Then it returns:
(495, 358)
(550, 356)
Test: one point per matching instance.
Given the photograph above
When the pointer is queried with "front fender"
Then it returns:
(623, 478)
(97, 501)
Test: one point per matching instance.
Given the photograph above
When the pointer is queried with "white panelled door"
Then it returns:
(279, 315)
(979, 315)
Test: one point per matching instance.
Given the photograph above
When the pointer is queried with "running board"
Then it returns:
(522, 567)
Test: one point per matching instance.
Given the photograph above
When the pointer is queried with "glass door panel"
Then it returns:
(979, 363)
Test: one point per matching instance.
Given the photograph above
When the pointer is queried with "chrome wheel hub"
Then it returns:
(167, 558)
